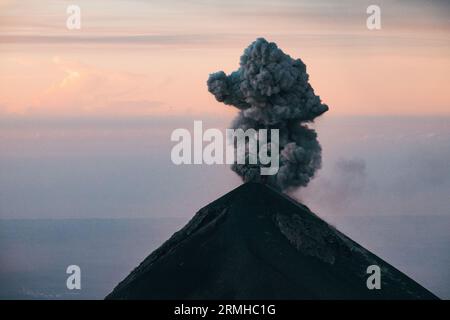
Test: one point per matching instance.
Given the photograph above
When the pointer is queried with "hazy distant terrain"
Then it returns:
(34, 254)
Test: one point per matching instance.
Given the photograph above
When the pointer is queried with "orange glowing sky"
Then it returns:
(136, 58)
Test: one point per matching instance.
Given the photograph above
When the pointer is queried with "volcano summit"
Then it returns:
(268, 246)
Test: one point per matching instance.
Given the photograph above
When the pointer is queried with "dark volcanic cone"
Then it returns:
(264, 247)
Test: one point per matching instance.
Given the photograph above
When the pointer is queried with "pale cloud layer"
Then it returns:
(141, 53)
(78, 88)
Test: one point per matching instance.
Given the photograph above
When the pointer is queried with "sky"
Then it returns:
(151, 58)
(86, 115)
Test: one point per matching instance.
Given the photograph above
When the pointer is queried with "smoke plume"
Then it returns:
(272, 91)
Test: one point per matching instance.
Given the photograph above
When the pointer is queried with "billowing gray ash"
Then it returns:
(271, 90)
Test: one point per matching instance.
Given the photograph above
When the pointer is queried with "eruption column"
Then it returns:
(271, 91)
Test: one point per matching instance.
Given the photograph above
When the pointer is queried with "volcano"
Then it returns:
(257, 243)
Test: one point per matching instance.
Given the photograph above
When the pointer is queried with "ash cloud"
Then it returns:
(341, 189)
(349, 182)
(271, 91)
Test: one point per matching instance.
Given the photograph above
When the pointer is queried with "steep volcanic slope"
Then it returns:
(255, 243)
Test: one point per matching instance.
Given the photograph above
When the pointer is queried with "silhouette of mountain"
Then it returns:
(256, 243)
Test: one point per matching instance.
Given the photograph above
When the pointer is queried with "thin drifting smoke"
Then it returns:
(272, 91)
